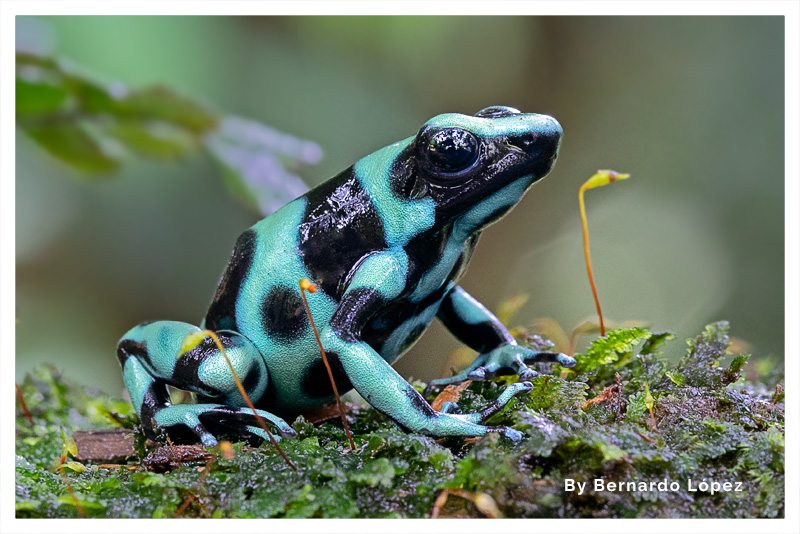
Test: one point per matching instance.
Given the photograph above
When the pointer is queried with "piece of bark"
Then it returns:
(169, 457)
(114, 445)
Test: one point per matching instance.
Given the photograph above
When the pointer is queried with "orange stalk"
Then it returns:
(600, 178)
(307, 285)
(24, 406)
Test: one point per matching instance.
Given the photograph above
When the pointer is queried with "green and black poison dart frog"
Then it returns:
(387, 241)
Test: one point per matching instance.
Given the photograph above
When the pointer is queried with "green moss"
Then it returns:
(710, 426)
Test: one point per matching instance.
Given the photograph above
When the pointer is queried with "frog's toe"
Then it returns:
(477, 374)
(527, 374)
(565, 360)
(516, 361)
(503, 399)
(208, 439)
(287, 432)
(485, 372)
(258, 432)
(562, 359)
(450, 407)
(244, 420)
(508, 432)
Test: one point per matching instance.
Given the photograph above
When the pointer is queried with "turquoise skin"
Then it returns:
(387, 241)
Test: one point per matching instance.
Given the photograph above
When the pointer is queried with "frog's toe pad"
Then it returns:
(565, 360)
(508, 432)
(288, 432)
(527, 374)
(477, 374)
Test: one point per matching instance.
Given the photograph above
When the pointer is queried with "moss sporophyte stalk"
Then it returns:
(713, 429)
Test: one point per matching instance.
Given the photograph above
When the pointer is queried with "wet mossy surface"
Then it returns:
(710, 425)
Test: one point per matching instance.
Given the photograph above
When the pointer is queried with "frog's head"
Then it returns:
(478, 167)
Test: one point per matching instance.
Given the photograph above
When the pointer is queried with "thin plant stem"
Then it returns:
(307, 285)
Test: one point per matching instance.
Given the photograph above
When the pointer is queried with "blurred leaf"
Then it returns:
(75, 466)
(90, 96)
(153, 139)
(259, 162)
(509, 307)
(77, 119)
(71, 143)
(166, 105)
(33, 97)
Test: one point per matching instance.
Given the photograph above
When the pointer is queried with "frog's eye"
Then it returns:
(452, 149)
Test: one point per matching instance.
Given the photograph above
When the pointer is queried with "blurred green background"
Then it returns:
(692, 107)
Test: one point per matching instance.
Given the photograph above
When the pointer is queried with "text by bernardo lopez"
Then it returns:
(703, 486)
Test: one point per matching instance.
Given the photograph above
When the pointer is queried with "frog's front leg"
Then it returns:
(154, 355)
(479, 329)
(379, 279)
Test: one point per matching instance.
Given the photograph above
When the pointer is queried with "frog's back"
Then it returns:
(320, 236)
(340, 226)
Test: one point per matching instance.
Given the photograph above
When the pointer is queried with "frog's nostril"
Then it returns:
(528, 139)
(524, 141)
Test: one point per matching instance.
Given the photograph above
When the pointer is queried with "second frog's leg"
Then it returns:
(155, 355)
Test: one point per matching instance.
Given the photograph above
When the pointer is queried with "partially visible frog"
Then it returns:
(387, 241)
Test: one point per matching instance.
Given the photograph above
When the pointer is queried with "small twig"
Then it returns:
(307, 285)
(24, 406)
(261, 422)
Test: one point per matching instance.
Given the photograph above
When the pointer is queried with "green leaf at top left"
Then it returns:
(71, 144)
(37, 97)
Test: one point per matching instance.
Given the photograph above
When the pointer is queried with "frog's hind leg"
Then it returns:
(155, 355)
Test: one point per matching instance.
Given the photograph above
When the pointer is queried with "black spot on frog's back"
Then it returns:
(221, 314)
(340, 226)
(283, 315)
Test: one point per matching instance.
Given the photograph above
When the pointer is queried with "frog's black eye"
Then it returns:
(494, 112)
(452, 149)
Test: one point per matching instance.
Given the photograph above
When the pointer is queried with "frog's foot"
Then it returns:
(451, 408)
(208, 421)
(496, 406)
(515, 358)
(456, 378)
